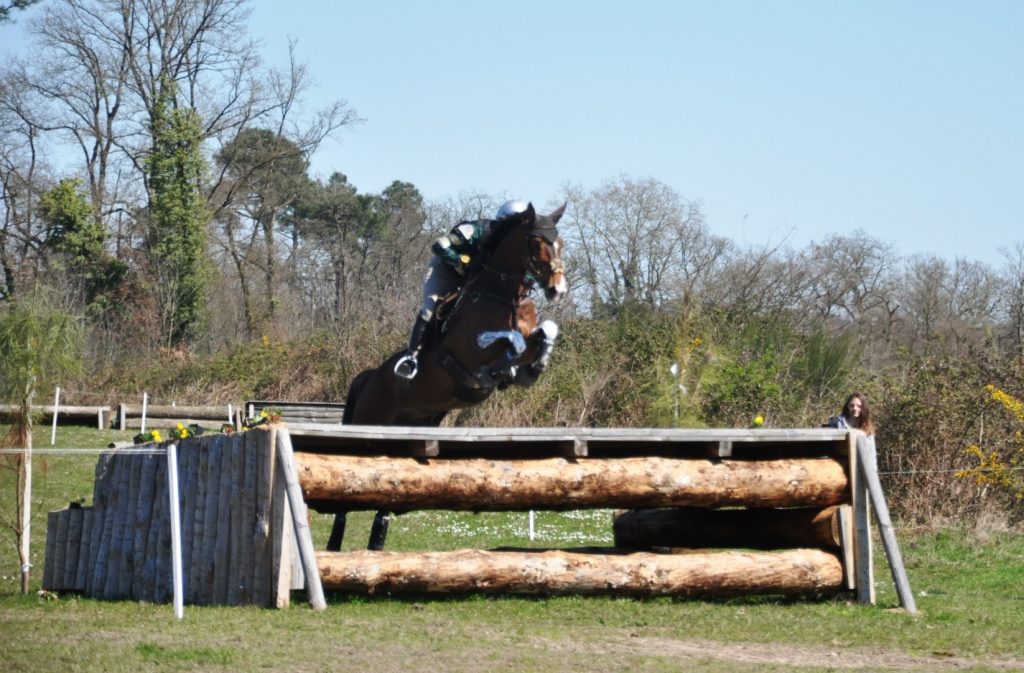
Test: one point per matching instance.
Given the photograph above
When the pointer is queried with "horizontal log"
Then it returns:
(163, 423)
(401, 484)
(640, 574)
(757, 528)
(214, 412)
(71, 412)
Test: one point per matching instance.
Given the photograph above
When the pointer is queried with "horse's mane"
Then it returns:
(498, 233)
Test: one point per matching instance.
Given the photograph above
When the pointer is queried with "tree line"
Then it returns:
(157, 174)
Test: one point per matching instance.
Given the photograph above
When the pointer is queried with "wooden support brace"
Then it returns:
(575, 448)
(426, 448)
(868, 461)
(298, 510)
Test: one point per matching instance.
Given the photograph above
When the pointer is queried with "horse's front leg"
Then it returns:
(540, 343)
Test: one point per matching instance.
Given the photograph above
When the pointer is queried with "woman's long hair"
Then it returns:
(864, 421)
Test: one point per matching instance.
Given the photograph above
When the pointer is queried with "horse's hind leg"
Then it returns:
(379, 530)
(337, 532)
(544, 335)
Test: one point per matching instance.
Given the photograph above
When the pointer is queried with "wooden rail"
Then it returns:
(72, 413)
(160, 415)
(326, 413)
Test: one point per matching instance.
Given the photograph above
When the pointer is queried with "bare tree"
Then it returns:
(1013, 296)
(636, 241)
(923, 289)
(22, 171)
(853, 275)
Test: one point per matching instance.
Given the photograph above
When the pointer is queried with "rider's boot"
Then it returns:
(407, 366)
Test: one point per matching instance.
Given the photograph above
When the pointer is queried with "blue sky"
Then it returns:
(788, 120)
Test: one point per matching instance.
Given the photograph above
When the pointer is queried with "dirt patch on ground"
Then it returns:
(838, 657)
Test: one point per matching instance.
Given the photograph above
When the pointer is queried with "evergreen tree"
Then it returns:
(178, 218)
(80, 241)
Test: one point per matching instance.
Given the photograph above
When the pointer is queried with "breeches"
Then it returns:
(439, 282)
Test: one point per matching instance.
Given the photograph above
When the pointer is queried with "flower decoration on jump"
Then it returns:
(266, 415)
(146, 437)
(182, 431)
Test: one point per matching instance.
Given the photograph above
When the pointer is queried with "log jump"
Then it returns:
(707, 513)
(756, 485)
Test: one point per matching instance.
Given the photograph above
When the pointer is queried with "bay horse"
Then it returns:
(485, 338)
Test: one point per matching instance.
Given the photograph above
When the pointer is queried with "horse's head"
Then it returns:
(544, 249)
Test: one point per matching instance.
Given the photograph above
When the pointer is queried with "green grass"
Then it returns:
(967, 586)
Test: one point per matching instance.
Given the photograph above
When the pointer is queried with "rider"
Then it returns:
(453, 253)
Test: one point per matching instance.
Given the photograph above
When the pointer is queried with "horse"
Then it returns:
(484, 338)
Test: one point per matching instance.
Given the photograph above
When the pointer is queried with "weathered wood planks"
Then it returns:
(237, 537)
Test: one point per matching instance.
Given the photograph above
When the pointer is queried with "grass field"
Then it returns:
(969, 586)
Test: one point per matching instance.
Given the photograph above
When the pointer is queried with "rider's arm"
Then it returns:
(456, 247)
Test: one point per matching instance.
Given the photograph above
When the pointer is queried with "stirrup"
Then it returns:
(406, 367)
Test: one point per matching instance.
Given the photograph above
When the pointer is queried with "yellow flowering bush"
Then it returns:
(1001, 467)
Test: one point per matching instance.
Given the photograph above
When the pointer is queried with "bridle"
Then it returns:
(534, 272)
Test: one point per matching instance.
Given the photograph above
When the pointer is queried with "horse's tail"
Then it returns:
(354, 390)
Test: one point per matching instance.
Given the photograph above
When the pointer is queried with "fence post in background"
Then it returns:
(172, 494)
(145, 399)
(26, 516)
(56, 410)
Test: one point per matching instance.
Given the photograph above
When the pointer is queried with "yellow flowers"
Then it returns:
(1012, 404)
(695, 344)
(156, 436)
(1000, 467)
(758, 421)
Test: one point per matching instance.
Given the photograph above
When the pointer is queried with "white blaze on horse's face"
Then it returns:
(549, 256)
(559, 284)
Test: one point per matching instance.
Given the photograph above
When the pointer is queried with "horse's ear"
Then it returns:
(530, 215)
(557, 215)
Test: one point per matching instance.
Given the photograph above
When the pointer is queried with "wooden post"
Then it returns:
(26, 514)
(868, 460)
(56, 411)
(862, 552)
(298, 508)
(172, 489)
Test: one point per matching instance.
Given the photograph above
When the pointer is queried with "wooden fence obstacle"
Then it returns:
(470, 469)
(238, 536)
(246, 540)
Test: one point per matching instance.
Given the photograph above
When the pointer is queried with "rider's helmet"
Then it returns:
(510, 208)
